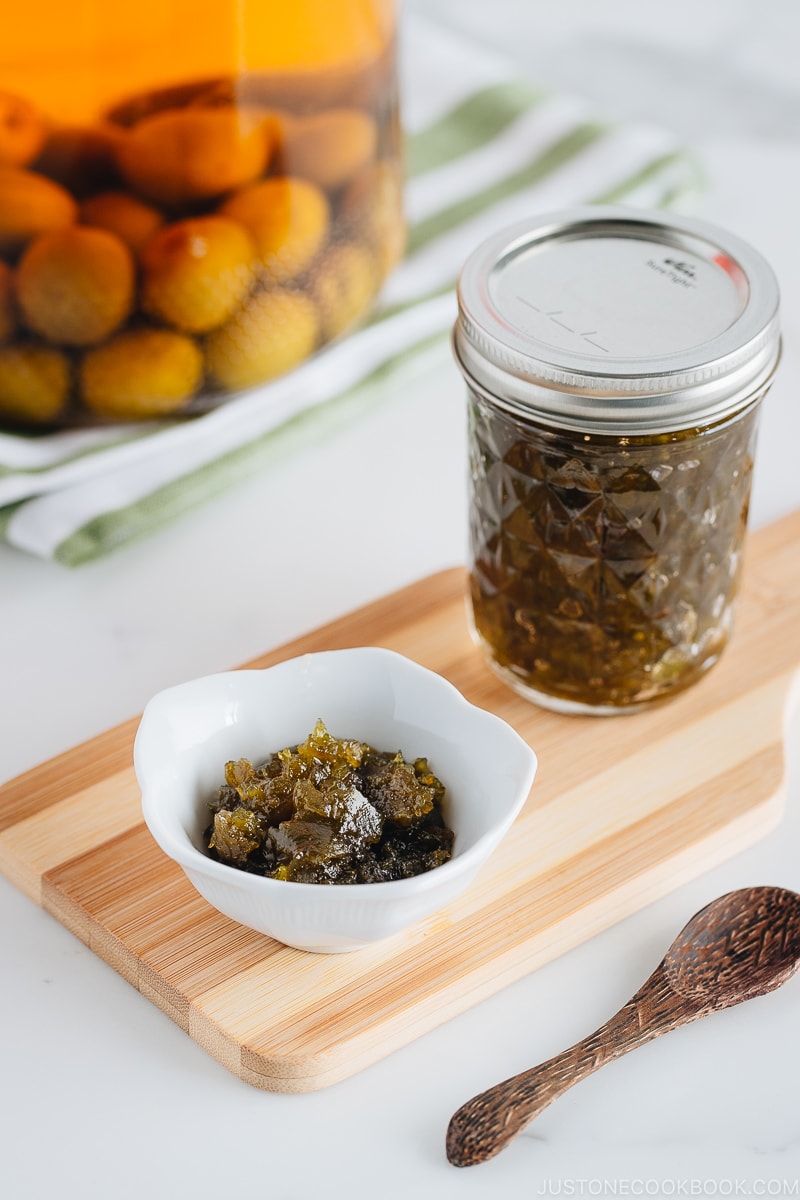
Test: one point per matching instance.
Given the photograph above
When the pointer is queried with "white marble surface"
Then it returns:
(100, 1094)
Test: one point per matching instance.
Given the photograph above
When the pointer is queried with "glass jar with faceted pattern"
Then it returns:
(604, 569)
(608, 507)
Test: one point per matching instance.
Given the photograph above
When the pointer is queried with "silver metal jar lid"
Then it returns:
(618, 320)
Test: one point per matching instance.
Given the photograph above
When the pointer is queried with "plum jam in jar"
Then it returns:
(615, 360)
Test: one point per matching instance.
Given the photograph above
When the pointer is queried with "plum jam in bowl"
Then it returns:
(194, 738)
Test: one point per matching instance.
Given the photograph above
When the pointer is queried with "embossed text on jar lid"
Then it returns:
(618, 319)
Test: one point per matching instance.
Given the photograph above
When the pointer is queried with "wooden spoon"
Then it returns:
(742, 945)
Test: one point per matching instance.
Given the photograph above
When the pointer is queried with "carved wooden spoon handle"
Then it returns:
(489, 1121)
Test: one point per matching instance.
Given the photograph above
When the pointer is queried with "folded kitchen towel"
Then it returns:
(482, 150)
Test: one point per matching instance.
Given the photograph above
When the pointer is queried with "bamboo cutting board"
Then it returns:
(622, 811)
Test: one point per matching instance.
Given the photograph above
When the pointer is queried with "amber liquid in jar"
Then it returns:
(605, 568)
(195, 195)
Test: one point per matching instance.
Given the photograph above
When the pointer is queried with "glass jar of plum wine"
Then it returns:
(195, 195)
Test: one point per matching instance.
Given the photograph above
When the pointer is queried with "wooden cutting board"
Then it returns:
(622, 811)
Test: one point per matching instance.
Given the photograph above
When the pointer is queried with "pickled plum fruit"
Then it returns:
(133, 221)
(22, 131)
(344, 281)
(288, 220)
(76, 286)
(188, 154)
(274, 331)
(34, 383)
(197, 272)
(330, 147)
(30, 205)
(330, 810)
(371, 207)
(140, 373)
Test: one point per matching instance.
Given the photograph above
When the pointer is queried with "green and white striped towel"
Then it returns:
(482, 150)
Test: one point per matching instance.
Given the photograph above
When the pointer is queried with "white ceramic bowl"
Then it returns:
(187, 734)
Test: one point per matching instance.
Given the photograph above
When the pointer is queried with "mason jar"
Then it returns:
(194, 197)
(616, 360)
